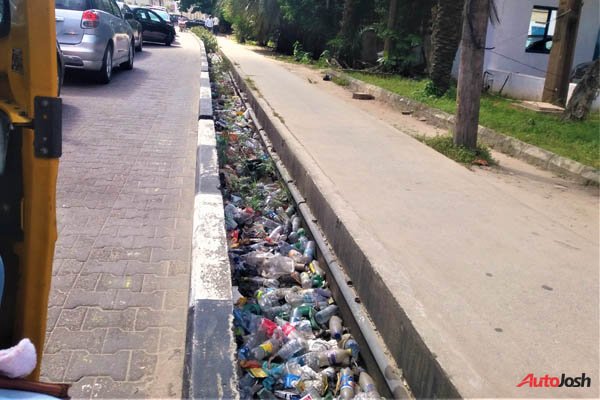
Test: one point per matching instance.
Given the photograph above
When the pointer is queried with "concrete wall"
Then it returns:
(523, 87)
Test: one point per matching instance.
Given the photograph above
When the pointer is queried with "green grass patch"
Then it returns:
(578, 140)
(461, 154)
(339, 80)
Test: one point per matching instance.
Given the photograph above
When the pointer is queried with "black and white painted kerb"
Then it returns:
(210, 371)
(205, 110)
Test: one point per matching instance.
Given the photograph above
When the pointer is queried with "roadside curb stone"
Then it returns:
(210, 367)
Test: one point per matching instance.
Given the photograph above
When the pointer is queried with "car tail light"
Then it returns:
(90, 19)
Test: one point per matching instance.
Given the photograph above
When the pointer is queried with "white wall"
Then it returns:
(523, 87)
(509, 36)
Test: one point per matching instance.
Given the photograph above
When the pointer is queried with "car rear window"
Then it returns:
(77, 5)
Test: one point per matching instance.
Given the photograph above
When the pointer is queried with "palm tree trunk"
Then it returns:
(445, 38)
(584, 94)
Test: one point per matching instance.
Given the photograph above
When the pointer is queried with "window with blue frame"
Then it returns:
(541, 29)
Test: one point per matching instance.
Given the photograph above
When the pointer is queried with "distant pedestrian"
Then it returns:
(215, 25)
(208, 23)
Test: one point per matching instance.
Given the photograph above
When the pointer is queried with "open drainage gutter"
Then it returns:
(373, 351)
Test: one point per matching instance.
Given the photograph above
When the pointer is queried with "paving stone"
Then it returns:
(82, 389)
(119, 253)
(109, 389)
(117, 339)
(69, 267)
(63, 282)
(130, 282)
(52, 317)
(126, 299)
(110, 267)
(98, 318)
(71, 319)
(81, 297)
(54, 366)
(170, 339)
(87, 282)
(65, 339)
(113, 241)
(56, 298)
(179, 267)
(83, 364)
(175, 300)
(168, 255)
(154, 268)
(142, 365)
(164, 318)
(125, 192)
(132, 230)
(176, 283)
(163, 243)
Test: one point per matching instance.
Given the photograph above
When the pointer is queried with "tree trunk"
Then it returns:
(349, 18)
(391, 25)
(445, 38)
(584, 94)
(556, 86)
(470, 74)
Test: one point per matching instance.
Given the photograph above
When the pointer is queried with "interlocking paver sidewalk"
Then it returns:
(118, 307)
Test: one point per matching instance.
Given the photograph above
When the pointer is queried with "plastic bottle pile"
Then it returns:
(292, 344)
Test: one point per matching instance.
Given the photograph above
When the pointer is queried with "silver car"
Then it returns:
(94, 35)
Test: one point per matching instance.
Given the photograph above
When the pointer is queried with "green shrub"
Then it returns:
(210, 41)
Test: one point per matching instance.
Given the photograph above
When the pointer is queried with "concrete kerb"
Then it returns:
(420, 368)
(505, 144)
(210, 369)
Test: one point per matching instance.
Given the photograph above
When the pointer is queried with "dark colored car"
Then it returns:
(154, 27)
(193, 22)
(537, 45)
(136, 27)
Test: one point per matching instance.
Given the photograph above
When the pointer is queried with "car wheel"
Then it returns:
(169, 39)
(105, 72)
(129, 63)
(139, 47)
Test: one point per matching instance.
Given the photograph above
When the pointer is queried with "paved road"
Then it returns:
(117, 315)
(496, 287)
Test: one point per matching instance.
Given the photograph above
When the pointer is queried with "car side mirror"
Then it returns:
(128, 15)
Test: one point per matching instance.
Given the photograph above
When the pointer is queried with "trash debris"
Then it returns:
(362, 96)
(292, 343)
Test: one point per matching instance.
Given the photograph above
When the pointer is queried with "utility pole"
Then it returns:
(470, 73)
(391, 24)
(556, 86)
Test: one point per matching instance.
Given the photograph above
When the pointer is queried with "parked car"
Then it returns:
(194, 22)
(136, 27)
(154, 28)
(60, 67)
(537, 44)
(94, 36)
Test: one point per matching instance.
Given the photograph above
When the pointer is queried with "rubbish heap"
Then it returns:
(292, 344)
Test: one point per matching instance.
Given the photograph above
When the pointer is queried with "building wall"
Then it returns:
(522, 86)
(518, 74)
(508, 37)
